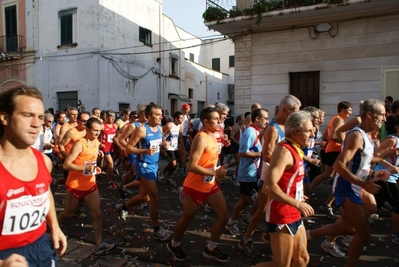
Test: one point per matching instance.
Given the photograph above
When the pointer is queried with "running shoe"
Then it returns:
(207, 208)
(332, 249)
(177, 252)
(79, 214)
(346, 239)
(235, 181)
(248, 248)
(328, 211)
(170, 181)
(122, 214)
(112, 185)
(144, 210)
(161, 178)
(181, 194)
(233, 228)
(161, 235)
(215, 254)
(103, 247)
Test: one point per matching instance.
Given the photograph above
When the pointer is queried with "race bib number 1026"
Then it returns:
(25, 214)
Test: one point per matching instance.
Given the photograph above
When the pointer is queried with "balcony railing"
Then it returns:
(12, 43)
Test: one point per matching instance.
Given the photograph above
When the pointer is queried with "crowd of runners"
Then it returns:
(278, 159)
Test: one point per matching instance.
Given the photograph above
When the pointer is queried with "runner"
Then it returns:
(25, 172)
(284, 186)
(200, 186)
(81, 183)
(172, 135)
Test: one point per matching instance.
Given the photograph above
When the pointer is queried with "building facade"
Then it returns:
(116, 54)
(322, 53)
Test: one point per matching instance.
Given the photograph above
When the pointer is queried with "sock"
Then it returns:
(156, 228)
(124, 207)
(175, 244)
(211, 245)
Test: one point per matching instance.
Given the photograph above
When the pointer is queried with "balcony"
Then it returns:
(261, 15)
(11, 47)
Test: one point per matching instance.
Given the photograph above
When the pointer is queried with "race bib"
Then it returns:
(209, 179)
(110, 138)
(25, 214)
(156, 144)
(90, 163)
(299, 191)
(363, 174)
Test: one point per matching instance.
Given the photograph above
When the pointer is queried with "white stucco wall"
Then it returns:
(350, 64)
(110, 65)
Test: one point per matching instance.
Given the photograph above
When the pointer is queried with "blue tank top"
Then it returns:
(153, 140)
(393, 160)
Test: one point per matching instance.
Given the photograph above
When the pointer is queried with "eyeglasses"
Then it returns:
(49, 121)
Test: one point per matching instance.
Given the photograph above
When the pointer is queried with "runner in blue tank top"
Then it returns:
(146, 141)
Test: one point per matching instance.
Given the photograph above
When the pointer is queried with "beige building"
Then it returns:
(322, 53)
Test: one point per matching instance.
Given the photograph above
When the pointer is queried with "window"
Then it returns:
(216, 64)
(231, 61)
(67, 99)
(174, 65)
(191, 56)
(190, 93)
(123, 107)
(306, 87)
(145, 36)
(67, 26)
(11, 28)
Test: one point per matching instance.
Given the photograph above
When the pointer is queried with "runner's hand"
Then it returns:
(221, 171)
(305, 209)
(59, 240)
(381, 175)
(14, 260)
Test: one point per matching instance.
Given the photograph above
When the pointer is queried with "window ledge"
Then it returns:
(147, 44)
(174, 76)
(60, 47)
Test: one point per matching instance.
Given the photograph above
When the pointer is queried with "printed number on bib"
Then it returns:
(208, 178)
(299, 191)
(25, 214)
(110, 138)
(156, 144)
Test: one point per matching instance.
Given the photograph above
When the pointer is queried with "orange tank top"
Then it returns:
(75, 137)
(81, 180)
(209, 159)
(332, 146)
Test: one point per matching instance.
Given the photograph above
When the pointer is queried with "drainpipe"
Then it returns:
(206, 90)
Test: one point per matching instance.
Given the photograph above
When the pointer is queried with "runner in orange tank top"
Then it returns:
(81, 183)
(200, 186)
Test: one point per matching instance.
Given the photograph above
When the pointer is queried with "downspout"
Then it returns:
(160, 84)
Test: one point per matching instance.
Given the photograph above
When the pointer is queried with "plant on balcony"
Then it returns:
(214, 13)
(259, 7)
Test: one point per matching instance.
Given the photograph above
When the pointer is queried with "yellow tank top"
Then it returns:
(209, 159)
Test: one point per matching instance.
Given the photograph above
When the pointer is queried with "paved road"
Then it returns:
(136, 247)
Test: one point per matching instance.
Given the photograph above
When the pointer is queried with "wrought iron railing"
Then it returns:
(12, 43)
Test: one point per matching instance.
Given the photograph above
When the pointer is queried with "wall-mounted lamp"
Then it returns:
(322, 27)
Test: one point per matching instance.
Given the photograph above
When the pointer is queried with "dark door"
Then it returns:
(306, 86)
(11, 28)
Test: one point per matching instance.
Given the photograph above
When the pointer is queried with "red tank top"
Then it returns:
(23, 206)
(291, 183)
(209, 159)
(106, 137)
